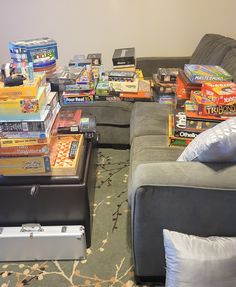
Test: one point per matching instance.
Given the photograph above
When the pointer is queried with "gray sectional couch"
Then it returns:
(189, 197)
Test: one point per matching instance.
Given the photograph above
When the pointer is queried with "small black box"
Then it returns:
(96, 59)
(123, 57)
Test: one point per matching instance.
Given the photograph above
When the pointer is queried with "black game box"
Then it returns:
(123, 57)
(96, 59)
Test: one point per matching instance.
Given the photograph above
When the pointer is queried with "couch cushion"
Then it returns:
(149, 119)
(212, 49)
(150, 149)
(229, 63)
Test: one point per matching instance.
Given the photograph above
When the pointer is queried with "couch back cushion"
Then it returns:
(229, 63)
(212, 49)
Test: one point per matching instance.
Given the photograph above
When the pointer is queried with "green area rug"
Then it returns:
(108, 260)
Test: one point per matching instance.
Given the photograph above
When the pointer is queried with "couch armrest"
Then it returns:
(150, 65)
(192, 198)
(218, 176)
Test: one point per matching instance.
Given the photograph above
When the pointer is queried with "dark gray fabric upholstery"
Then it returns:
(198, 211)
(148, 119)
(212, 49)
(229, 63)
(150, 65)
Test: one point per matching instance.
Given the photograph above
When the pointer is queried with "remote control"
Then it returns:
(73, 149)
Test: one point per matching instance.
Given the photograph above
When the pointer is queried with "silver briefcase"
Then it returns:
(36, 242)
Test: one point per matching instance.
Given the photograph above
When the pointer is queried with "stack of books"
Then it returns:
(26, 119)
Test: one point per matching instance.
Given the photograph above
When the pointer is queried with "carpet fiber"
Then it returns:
(108, 260)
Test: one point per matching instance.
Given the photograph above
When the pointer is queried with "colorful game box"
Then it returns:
(65, 154)
(221, 93)
(22, 108)
(185, 86)
(41, 51)
(68, 121)
(28, 90)
(125, 87)
(24, 150)
(202, 73)
(207, 107)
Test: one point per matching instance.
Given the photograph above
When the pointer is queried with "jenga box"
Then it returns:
(221, 93)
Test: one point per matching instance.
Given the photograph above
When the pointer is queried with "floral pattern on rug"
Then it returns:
(108, 261)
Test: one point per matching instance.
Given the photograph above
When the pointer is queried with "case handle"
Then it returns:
(29, 227)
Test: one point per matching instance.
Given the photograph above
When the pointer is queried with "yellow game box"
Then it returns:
(17, 108)
(24, 165)
(28, 90)
(65, 154)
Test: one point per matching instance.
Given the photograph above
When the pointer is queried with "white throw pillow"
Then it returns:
(193, 261)
(217, 144)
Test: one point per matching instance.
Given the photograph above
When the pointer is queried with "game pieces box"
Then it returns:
(68, 121)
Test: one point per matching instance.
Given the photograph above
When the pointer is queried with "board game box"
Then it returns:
(38, 51)
(68, 121)
(124, 56)
(221, 93)
(185, 86)
(206, 107)
(201, 73)
(28, 90)
(24, 165)
(96, 58)
(174, 140)
(168, 75)
(65, 154)
(24, 150)
(23, 108)
(125, 87)
(122, 76)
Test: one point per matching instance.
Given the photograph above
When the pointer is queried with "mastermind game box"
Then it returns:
(124, 56)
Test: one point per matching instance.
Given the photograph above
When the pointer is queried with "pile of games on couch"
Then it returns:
(203, 96)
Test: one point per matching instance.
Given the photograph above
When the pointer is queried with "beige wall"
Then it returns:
(153, 27)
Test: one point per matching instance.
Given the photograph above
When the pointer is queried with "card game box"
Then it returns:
(102, 88)
(65, 154)
(124, 56)
(201, 73)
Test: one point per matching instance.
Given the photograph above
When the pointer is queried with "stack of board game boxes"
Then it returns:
(67, 144)
(209, 97)
(164, 85)
(124, 82)
(27, 113)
